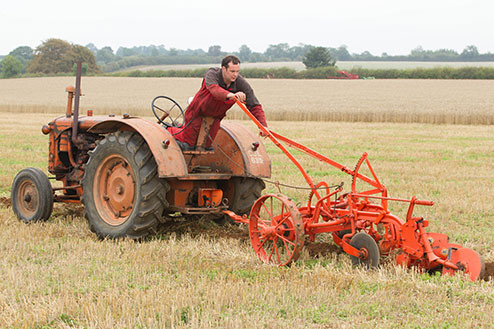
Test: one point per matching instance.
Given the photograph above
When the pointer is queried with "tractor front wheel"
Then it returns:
(123, 195)
(32, 195)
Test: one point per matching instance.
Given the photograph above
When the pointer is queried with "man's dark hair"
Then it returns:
(230, 58)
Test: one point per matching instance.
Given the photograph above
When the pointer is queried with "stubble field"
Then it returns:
(196, 274)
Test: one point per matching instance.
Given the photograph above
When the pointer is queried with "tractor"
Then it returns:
(129, 172)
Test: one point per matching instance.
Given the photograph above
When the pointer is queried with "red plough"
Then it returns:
(359, 221)
(345, 75)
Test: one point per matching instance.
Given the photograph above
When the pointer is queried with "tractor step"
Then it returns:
(197, 152)
(213, 176)
(198, 210)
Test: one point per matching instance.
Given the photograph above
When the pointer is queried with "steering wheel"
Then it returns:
(168, 112)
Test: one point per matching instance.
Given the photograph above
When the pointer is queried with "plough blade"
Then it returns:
(468, 261)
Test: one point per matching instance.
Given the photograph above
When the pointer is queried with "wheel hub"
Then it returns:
(28, 198)
(115, 190)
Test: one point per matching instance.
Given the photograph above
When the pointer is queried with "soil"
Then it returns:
(321, 249)
(489, 271)
(203, 226)
(6, 202)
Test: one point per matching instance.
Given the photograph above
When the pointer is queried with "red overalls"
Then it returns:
(210, 101)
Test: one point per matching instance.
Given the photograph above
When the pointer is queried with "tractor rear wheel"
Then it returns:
(242, 193)
(123, 195)
(32, 195)
(246, 191)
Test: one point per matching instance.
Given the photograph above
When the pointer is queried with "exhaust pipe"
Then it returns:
(75, 121)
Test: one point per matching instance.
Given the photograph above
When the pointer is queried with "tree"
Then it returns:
(297, 53)
(11, 67)
(342, 53)
(80, 53)
(23, 54)
(277, 52)
(92, 47)
(58, 56)
(126, 52)
(470, 52)
(244, 53)
(215, 51)
(105, 55)
(50, 57)
(318, 57)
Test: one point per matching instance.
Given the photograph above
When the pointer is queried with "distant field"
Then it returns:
(426, 101)
(300, 66)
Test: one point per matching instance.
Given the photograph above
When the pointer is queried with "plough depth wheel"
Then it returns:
(369, 249)
(276, 229)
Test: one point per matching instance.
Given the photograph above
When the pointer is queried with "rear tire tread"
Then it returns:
(150, 192)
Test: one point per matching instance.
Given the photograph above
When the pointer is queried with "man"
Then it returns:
(217, 95)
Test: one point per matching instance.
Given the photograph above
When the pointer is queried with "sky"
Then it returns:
(394, 27)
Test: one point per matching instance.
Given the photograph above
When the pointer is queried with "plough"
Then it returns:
(359, 221)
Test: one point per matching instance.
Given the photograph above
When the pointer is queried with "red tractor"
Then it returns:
(129, 172)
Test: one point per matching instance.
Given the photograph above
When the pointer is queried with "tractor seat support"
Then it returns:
(202, 139)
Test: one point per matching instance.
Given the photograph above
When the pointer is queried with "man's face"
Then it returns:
(230, 73)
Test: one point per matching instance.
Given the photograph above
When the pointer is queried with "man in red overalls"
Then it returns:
(217, 95)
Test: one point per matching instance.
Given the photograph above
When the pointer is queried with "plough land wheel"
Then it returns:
(369, 249)
(276, 229)
(468, 261)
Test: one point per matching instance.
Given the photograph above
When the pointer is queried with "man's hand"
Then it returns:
(262, 134)
(239, 95)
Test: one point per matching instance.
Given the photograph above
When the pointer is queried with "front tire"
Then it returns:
(32, 195)
(123, 195)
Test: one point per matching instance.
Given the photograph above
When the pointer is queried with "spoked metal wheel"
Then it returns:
(276, 229)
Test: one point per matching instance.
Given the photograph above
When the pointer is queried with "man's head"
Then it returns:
(230, 66)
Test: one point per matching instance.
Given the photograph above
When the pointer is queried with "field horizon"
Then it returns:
(299, 66)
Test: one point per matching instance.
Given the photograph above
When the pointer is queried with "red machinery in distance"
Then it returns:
(364, 229)
(345, 75)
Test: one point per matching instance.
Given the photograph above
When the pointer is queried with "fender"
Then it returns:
(170, 160)
(256, 160)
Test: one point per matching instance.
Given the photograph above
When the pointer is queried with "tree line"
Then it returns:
(55, 56)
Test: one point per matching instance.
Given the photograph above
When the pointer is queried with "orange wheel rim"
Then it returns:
(114, 190)
(27, 198)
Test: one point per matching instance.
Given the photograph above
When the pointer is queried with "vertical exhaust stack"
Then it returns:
(75, 122)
